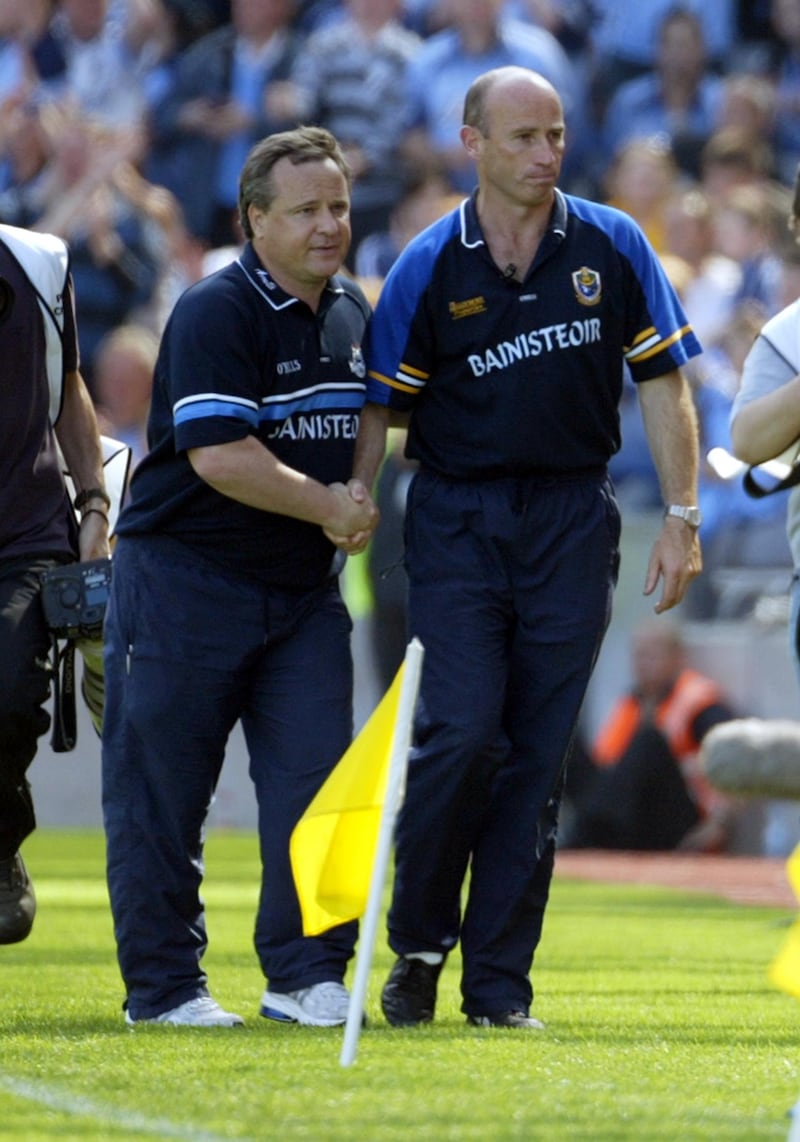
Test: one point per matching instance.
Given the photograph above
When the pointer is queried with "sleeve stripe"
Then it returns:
(184, 412)
(395, 383)
(410, 371)
(650, 348)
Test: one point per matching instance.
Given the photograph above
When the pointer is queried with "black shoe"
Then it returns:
(17, 901)
(409, 994)
(517, 1019)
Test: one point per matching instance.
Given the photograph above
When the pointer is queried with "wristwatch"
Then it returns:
(690, 515)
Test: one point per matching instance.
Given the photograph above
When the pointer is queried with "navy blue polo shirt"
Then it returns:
(509, 378)
(240, 357)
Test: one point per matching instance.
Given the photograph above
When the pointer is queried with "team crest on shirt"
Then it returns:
(357, 365)
(587, 285)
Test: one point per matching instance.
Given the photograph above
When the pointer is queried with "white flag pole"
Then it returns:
(395, 788)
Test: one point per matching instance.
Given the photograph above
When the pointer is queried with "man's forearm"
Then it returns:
(670, 422)
(370, 443)
(78, 435)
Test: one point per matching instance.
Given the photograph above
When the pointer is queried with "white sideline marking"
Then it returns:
(70, 1104)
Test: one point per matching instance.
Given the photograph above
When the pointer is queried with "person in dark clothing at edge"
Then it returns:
(44, 405)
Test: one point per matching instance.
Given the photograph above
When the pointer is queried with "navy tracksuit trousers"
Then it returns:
(511, 583)
(189, 651)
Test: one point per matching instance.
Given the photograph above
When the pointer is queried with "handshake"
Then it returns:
(354, 517)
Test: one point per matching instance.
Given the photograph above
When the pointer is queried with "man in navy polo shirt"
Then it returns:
(502, 330)
(226, 603)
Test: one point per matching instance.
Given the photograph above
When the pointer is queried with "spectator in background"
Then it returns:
(747, 230)
(47, 60)
(678, 100)
(123, 384)
(350, 77)
(14, 64)
(25, 151)
(640, 181)
(626, 37)
(477, 39)
(710, 292)
(640, 785)
(733, 157)
(309, 15)
(785, 72)
(424, 196)
(749, 105)
(114, 263)
(171, 28)
(228, 91)
(570, 21)
(101, 72)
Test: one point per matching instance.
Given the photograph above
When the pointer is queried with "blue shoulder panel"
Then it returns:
(388, 381)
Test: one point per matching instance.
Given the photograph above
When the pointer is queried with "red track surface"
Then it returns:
(745, 880)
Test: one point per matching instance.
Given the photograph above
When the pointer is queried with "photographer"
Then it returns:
(42, 387)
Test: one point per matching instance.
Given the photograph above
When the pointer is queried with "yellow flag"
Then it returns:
(785, 969)
(333, 845)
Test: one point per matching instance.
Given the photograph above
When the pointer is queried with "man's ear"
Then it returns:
(256, 218)
(471, 140)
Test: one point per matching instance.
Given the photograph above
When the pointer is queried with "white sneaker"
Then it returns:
(323, 1005)
(200, 1012)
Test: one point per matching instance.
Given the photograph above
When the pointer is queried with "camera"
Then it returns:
(7, 296)
(74, 597)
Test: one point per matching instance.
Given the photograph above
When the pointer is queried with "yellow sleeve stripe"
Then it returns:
(392, 383)
(412, 372)
(654, 345)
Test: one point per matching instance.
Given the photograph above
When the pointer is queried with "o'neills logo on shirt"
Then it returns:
(587, 286)
(469, 308)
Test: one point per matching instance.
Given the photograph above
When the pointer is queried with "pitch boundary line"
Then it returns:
(62, 1101)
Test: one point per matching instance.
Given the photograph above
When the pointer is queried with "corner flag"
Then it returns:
(333, 846)
(785, 969)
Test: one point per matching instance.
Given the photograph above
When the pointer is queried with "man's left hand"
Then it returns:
(675, 560)
(93, 537)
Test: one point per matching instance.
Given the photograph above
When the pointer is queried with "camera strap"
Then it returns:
(65, 733)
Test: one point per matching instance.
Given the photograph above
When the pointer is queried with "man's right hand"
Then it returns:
(355, 518)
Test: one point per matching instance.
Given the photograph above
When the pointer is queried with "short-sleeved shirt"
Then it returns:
(519, 378)
(35, 515)
(768, 367)
(241, 357)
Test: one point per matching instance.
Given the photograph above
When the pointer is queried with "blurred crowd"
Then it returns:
(125, 123)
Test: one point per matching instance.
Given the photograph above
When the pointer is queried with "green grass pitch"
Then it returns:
(661, 1025)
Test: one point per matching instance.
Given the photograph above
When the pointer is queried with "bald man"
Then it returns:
(500, 337)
